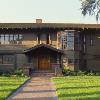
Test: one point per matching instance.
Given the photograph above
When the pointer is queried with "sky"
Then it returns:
(50, 11)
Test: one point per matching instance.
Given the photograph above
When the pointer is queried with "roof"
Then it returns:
(45, 46)
(49, 25)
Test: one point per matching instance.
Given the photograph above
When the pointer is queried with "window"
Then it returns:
(20, 39)
(2, 39)
(15, 38)
(6, 59)
(6, 38)
(11, 38)
(70, 40)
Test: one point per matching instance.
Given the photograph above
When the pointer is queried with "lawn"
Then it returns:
(9, 84)
(78, 87)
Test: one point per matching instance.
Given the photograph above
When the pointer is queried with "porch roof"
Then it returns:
(45, 46)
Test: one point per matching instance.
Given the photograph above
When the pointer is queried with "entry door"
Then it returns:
(44, 62)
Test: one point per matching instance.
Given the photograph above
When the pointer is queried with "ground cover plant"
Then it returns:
(9, 84)
(78, 87)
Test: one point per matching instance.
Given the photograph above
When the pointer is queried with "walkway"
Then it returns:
(39, 87)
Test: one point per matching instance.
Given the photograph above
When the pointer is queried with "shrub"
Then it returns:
(7, 74)
(81, 73)
(91, 74)
(66, 71)
(18, 72)
(72, 73)
(97, 74)
(1, 73)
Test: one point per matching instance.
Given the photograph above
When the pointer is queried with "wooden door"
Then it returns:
(43, 62)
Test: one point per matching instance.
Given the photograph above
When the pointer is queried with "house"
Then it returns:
(47, 46)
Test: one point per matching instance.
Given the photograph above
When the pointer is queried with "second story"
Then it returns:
(27, 38)
(21, 36)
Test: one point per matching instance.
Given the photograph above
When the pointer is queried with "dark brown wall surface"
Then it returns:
(91, 56)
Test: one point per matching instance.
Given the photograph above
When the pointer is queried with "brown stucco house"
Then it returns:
(41, 46)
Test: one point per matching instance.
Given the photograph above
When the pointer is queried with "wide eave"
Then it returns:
(48, 25)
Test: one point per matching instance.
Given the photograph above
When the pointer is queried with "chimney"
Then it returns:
(38, 20)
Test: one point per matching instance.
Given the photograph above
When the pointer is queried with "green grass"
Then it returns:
(9, 84)
(78, 87)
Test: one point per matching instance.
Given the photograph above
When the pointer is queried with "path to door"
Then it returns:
(39, 87)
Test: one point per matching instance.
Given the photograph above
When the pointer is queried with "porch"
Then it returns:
(44, 58)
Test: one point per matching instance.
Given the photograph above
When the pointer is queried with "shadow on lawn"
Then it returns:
(78, 87)
(82, 94)
(6, 90)
(9, 84)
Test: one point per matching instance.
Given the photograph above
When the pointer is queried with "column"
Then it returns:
(57, 40)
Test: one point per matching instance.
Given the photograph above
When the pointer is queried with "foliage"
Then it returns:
(91, 7)
(9, 84)
(81, 73)
(78, 87)
(18, 72)
(67, 72)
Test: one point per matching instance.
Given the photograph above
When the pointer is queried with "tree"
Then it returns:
(91, 7)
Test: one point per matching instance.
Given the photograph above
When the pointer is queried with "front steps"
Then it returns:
(43, 73)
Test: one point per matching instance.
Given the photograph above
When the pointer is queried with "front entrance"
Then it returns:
(44, 62)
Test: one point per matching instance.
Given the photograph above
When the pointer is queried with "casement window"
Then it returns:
(70, 40)
(11, 38)
(20, 37)
(2, 39)
(7, 59)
